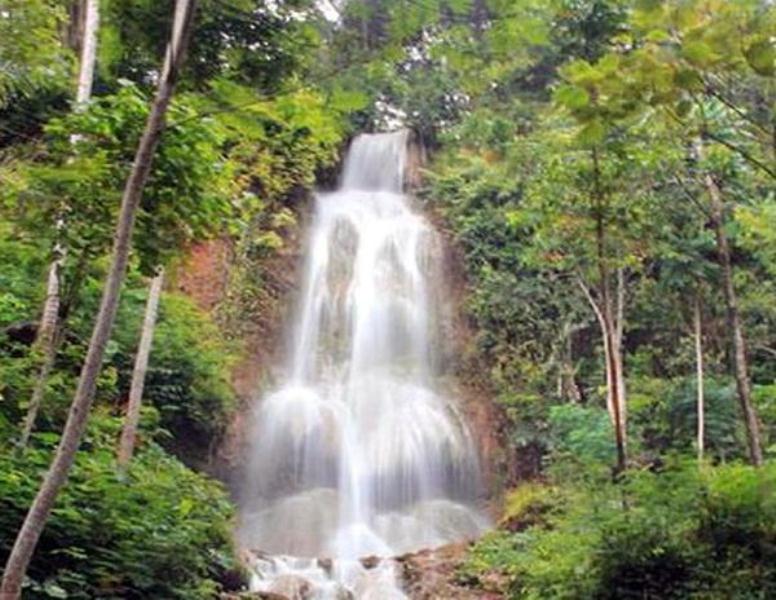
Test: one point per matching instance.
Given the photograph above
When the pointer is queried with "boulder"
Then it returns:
(291, 587)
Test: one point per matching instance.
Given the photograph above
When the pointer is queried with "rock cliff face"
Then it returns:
(203, 275)
(466, 377)
(254, 317)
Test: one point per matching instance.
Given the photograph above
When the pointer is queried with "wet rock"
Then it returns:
(342, 593)
(370, 562)
(433, 575)
(326, 564)
(291, 587)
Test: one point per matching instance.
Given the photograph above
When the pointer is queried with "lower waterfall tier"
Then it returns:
(380, 467)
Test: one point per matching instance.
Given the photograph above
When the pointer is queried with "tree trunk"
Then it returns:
(129, 432)
(734, 323)
(610, 319)
(479, 17)
(614, 359)
(619, 326)
(48, 338)
(34, 522)
(698, 331)
(91, 24)
(613, 366)
(46, 347)
(567, 385)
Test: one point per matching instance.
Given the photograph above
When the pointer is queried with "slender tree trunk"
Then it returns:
(619, 327)
(610, 324)
(567, 385)
(129, 432)
(614, 367)
(35, 521)
(75, 25)
(48, 338)
(613, 399)
(479, 16)
(45, 347)
(91, 25)
(734, 323)
(698, 334)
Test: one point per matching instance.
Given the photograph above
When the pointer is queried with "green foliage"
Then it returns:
(244, 140)
(584, 175)
(584, 434)
(680, 533)
(81, 182)
(528, 501)
(159, 531)
(31, 51)
(19, 258)
(189, 371)
(188, 379)
(35, 65)
(249, 41)
(573, 139)
(497, 551)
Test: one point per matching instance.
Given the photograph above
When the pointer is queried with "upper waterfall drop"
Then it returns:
(376, 161)
(358, 452)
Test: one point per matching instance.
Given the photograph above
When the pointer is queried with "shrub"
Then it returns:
(188, 375)
(680, 533)
(159, 531)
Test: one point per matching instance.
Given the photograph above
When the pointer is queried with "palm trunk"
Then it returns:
(698, 331)
(129, 432)
(734, 323)
(35, 521)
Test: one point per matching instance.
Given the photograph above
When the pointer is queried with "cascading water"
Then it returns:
(358, 453)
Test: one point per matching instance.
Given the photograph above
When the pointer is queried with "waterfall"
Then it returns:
(359, 453)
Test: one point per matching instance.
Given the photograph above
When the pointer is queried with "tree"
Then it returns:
(47, 340)
(709, 67)
(129, 432)
(697, 319)
(56, 476)
(740, 361)
(91, 23)
(35, 77)
(45, 346)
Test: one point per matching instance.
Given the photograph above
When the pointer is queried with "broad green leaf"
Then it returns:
(572, 96)
(761, 56)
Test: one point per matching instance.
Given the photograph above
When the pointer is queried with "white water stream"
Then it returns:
(358, 453)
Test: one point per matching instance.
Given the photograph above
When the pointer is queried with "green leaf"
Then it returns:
(52, 590)
(347, 101)
(699, 53)
(689, 79)
(572, 96)
(761, 56)
(593, 133)
(683, 107)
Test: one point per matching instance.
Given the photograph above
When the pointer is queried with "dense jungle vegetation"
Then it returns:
(607, 170)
